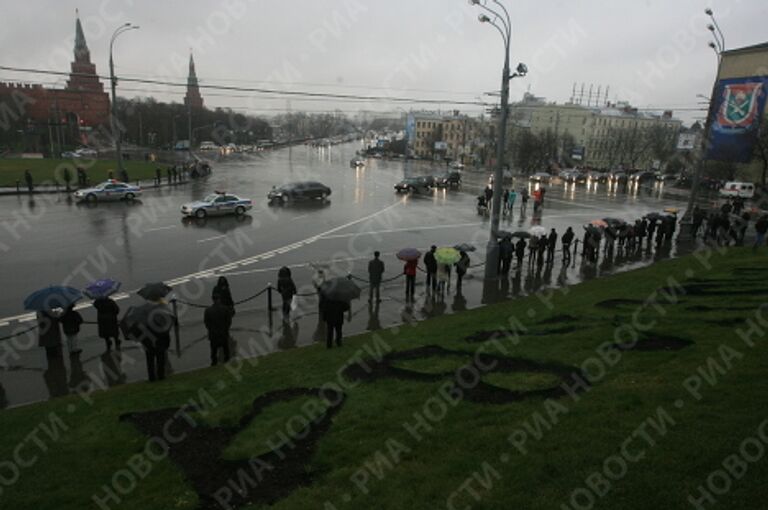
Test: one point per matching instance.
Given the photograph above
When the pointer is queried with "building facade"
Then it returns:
(441, 136)
(81, 105)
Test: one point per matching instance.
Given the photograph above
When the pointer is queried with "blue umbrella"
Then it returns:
(55, 296)
(102, 288)
(408, 254)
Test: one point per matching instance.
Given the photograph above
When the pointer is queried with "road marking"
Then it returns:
(211, 238)
(299, 217)
(160, 228)
(395, 230)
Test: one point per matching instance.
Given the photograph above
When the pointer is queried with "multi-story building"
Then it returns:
(440, 136)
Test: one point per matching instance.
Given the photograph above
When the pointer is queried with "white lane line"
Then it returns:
(243, 262)
(3, 324)
(211, 238)
(395, 230)
(299, 217)
(160, 228)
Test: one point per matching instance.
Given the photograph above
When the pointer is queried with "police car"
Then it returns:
(217, 204)
(109, 190)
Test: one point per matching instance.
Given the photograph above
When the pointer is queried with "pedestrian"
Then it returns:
(169, 172)
(504, 202)
(443, 278)
(158, 176)
(410, 278)
(542, 247)
(110, 175)
(155, 337)
(332, 313)
(523, 200)
(218, 321)
(610, 239)
(287, 290)
(567, 240)
(70, 324)
(222, 291)
(520, 252)
(107, 312)
(49, 333)
(641, 230)
(318, 279)
(462, 266)
(511, 197)
(551, 246)
(506, 252)
(375, 271)
(698, 218)
(29, 181)
(533, 249)
(761, 227)
(67, 176)
(542, 192)
(431, 265)
(488, 194)
(536, 201)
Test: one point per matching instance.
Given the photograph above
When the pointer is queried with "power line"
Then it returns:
(259, 90)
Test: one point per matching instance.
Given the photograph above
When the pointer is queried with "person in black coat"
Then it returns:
(106, 320)
(375, 271)
(49, 333)
(506, 252)
(287, 289)
(551, 244)
(520, 252)
(333, 315)
(70, 324)
(222, 291)
(431, 264)
(218, 320)
(155, 336)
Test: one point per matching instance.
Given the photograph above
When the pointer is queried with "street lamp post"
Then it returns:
(502, 22)
(116, 131)
(718, 46)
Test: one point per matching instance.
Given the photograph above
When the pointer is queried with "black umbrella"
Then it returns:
(522, 234)
(340, 289)
(464, 247)
(154, 291)
(614, 222)
(139, 322)
(654, 216)
(501, 234)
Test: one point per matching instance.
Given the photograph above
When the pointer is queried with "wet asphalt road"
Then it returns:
(52, 240)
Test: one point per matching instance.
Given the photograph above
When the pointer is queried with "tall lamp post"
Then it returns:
(116, 131)
(718, 46)
(502, 22)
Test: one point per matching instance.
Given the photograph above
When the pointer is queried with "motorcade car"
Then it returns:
(737, 189)
(304, 190)
(108, 191)
(217, 204)
(413, 185)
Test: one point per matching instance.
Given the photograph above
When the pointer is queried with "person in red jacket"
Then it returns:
(410, 279)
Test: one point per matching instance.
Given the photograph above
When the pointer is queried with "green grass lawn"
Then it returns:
(663, 420)
(50, 170)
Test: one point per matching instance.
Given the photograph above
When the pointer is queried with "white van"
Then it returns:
(738, 189)
(208, 146)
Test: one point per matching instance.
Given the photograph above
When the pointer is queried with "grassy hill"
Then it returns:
(52, 170)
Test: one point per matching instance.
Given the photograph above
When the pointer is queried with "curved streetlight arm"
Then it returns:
(506, 15)
(501, 31)
(720, 32)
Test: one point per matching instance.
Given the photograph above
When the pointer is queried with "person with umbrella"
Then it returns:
(506, 252)
(375, 272)
(411, 258)
(287, 289)
(551, 246)
(70, 324)
(445, 258)
(107, 310)
(150, 324)
(462, 266)
(49, 333)
(44, 302)
(431, 265)
(533, 249)
(335, 296)
(218, 321)
(520, 252)
(567, 240)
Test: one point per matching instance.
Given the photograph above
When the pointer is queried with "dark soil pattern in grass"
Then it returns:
(616, 303)
(705, 308)
(727, 323)
(655, 342)
(563, 330)
(558, 319)
(467, 380)
(197, 450)
(486, 335)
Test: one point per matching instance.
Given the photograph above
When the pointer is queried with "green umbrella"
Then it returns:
(447, 255)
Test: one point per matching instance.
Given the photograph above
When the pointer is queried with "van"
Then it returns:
(738, 189)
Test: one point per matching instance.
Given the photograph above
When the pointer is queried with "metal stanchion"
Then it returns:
(269, 306)
(176, 326)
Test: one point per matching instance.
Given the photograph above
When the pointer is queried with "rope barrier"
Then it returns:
(18, 333)
(194, 305)
(262, 291)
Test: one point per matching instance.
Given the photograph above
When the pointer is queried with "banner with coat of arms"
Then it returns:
(738, 109)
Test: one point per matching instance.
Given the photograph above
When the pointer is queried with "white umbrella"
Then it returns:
(537, 230)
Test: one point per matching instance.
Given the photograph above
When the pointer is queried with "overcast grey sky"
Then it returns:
(651, 52)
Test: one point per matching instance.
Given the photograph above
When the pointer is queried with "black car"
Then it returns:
(307, 190)
(413, 185)
(449, 180)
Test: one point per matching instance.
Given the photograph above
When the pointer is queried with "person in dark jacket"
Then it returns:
(221, 290)
(28, 179)
(333, 315)
(106, 320)
(567, 240)
(70, 324)
(462, 266)
(49, 333)
(218, 321)
(431, 265)
(287, 289)
(520, 252)
(375, 271)
(154, 334)
(506, 252)
(551, 245)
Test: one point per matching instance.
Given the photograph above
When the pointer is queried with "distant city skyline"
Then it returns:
(652, 54)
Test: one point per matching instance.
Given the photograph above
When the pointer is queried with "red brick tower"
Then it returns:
(193, 97)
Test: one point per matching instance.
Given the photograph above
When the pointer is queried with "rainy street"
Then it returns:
(51, 239)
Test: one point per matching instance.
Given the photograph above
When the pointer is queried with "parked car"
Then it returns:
(595, 176)
(573, 176)
(643, 176)
(412, 185)
(449, 180)
(108, 191)
(305, 190)
(617, 176)
(217, 204)
(737, 189)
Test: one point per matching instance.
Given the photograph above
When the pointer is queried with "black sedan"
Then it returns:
(307, 190)
(448, 180)
(413, 185)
